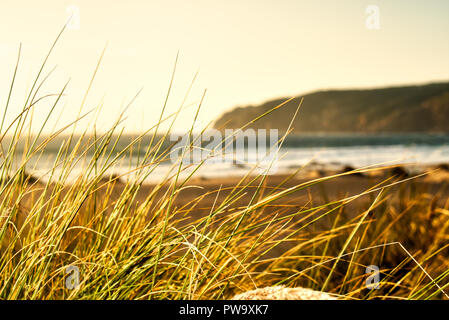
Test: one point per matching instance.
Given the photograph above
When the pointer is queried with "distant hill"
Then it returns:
(423, 108)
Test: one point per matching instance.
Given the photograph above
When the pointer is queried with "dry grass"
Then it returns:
(128, 249)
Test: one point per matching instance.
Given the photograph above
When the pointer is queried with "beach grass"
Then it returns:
(129, 247)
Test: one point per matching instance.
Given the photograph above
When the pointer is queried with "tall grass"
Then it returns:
(129, 248)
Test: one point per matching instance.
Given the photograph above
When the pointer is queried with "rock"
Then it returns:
(443, 167)
(113, 178)
(284, 293)
(399, 172)
(349, 169)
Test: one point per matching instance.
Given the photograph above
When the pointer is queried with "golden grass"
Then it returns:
(128, 249)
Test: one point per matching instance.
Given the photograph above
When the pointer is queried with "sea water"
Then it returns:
(323, 150)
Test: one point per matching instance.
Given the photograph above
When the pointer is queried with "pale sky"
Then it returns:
(246, 51)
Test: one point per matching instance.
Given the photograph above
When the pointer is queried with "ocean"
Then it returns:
(320, 151)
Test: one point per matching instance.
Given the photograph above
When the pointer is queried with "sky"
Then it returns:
(244, 52)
